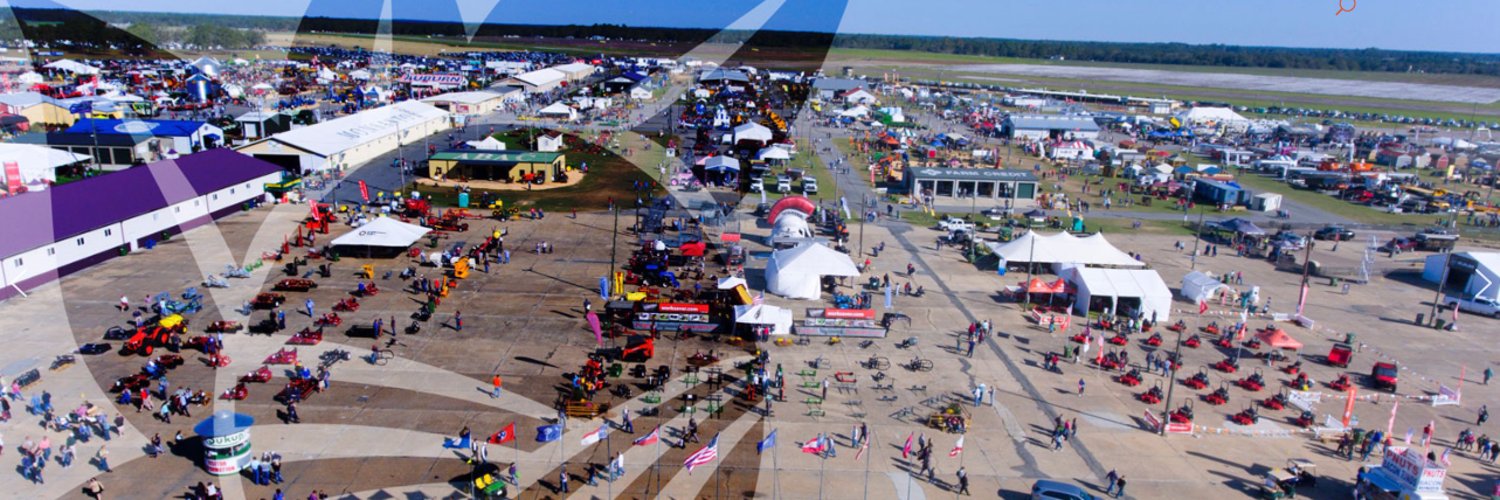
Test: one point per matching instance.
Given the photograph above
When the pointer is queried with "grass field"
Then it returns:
(610, 177)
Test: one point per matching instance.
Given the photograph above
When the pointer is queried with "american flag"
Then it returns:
(703, 456)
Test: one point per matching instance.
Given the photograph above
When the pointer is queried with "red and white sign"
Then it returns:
(849, 313)
(12, 177)
(682, 308)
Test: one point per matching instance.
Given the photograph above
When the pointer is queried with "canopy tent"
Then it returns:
(1216, 115)
(559, 110)
(693, 249)
(721, 164)
(1240, 226)
(1279, 339)
(1036, 285)
(36, 165)
(72, 66)
(490, 143)
(778, 318)
(731, 282)
(1063, 248)
(774, 153)
(797, 273)
(1121, 291)
(752, 132)
(383, 232)
(792, 225)
(30, 78)
(1198, 287)
(360, 74)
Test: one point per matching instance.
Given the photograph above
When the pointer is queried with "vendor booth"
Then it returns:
(226, 442)
(779, 319)
(383, 236)
(1121, 291)
(797, 273)
(1200, 287)
(841, 323)
(1063, 248)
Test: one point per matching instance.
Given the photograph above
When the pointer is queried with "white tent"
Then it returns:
(30, 78)
(1216, 115)
(779, 318)
(859, 111)
(1063, 248)
(1198, 286)
(559, 110)
(791, 224)
(383, 232)
(774, 153)
(797, 273)
(721, 163)
(731, 282)
(72, 66)
(490, 143)
(1121, 290)
(37, 164)
(360, 74)
(752, 132)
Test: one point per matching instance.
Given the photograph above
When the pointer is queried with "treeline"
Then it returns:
(1184, 54)
(240, 31)
(60, 28)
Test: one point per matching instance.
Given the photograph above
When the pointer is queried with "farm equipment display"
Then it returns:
(284, 356)
(1340, 384)
(1154, 340)
(1253, 383)
(1227, 365)
(1198, 381)
(350, 304)
(329, 319)
(1183, 414)
(1247, 416)
(294, 285)
(224, 326)
(1292, 369)
(1193, 342)
(1119, 339)
(267, 300)
(1219, 396)
(307, 336)
(236, 393)
(1131, 378)
(297, 390)
(1152, 396)
(260, 375)
(1276, 402)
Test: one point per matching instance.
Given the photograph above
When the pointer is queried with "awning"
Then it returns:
(383, 232)
(1279, 339)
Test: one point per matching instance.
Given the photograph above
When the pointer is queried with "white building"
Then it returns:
(537, 82)
(350, 140)
(467, 103)
(1040, 127)
(575, 71)
(70, 227)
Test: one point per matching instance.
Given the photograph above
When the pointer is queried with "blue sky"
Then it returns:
(1447, 25)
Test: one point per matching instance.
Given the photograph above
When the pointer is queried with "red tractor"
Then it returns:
(1193, 342)
(1183, 415)
(1340, 384)
(1154, 340)
(1253, 383)
(1227, 365)
(1198, 381)
(1276, 402)
(1248, 416)
(1219, 396)
(1131, 378)
(1152, 396)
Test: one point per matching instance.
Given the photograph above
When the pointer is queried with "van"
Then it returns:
(783, 184)
(809, 185)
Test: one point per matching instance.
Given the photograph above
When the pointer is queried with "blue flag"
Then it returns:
(604, 288)
(81, 107)
(767, 443)
(548, 433)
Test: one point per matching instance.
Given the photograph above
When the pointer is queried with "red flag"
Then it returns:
(906, 450)
(958, 447)
(505, 435)
(1349, 406)
(862, 449)
(814, 446)
(649, 438)
(1202, 304)
(364, 192)
(12, 177)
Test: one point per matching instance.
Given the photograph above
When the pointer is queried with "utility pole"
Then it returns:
(1197, 238)
(1166, 411)
(614, 247)
(1437, 297)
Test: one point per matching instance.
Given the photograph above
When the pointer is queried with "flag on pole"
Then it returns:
(863, 447)
(767, 443)
(596, 435)
(814, 445)
(1444, 458)
(703, 456)
(364, 191)
(1202, 306)
(505, 435)
(548, 433)
(649, 439)
(906, 449)
(958, 447)
(1302, 299)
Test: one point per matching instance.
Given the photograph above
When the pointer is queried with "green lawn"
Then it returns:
(610, 177)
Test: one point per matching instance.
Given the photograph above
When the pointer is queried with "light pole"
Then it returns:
(1166, 411)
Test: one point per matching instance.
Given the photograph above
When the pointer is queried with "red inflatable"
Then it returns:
(798, 203)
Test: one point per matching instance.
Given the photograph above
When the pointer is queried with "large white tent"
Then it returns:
(72, 66)
(37, 165)
(383, 232)
(559, 110)
(1215, 115)
(1119, 291)
(721, 163)
(752, 132)
(1064, 248)
(797, 273)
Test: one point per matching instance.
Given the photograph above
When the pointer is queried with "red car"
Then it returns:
(1400, 244)
(1383, 376)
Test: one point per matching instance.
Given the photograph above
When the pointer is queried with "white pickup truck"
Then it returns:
(1478, 305)
(951, 224)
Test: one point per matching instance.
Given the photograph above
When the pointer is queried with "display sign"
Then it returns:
(841, 313)
(682, 308)
(437, 80)
(1414, 471)
(674, 316)
(229, 441)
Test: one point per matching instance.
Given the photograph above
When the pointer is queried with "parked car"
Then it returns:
(1384, 376)
(997, 213)
(783, 184)
(953, 223)
(1400, 244)
(809, 185)
(1483, 306)
(1047, 489)
(1288, 240)
(1334, 233)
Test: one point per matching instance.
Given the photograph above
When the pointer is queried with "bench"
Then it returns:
(652, 397)
(812, 384)
(808, 373)
(585, 409)
(813, 401)
(815, 412)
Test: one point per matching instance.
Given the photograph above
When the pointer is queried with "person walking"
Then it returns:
(625, 421)
(496, 381)
(309, 304)
(280, 320)
(1080, 388)
(1484, 414)
(1488, 374)
(103, 458)
(562, 478)
(124, 303)
(1120, 486)
(963, 481)
(458, 320)
(1109, 482)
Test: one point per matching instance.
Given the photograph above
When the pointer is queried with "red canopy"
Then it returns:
(694, 249)
(1279, 339)
(1036, 285)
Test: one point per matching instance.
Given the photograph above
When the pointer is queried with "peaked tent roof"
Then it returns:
(1279, 339)
(383, 232)
(1064, 248)
(814, 259)
(341, 134)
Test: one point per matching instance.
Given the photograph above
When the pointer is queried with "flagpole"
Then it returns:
(822, 464)
(609, 467)
(960, 466)
(775, 470)
(867, 463)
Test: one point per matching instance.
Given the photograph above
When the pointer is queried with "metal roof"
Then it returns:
(497, 156)
(40, 218)
(1052, 122)
(971, 174)
(837, 84)
(158, 128)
